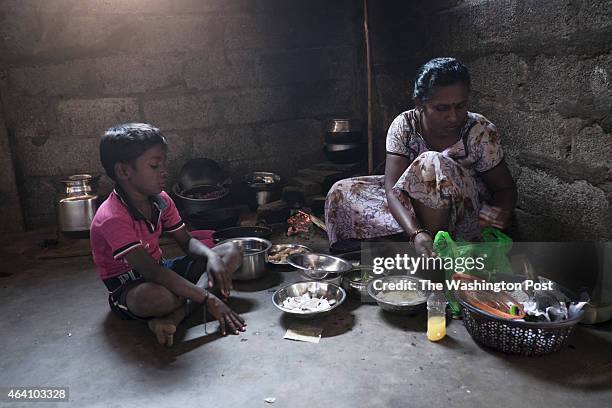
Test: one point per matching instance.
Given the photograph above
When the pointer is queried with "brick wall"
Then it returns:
(246, 82)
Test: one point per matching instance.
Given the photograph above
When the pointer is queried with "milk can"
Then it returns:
(77, 205)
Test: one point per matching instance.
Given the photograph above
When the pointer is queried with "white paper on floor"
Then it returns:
(303, 332)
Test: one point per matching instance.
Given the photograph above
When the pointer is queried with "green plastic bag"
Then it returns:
(491, 253)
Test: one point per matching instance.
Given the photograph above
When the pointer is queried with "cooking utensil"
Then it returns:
(262, 180)
(342, 138)
(355, 282)
(317, 289)
(343, 125)
(342, 147)
(201, 171)
(344, 153)
(189, 205)
(239, 232)
(265, 184)
(343, 131)
(254, 257)
(318, 266)
(77, 205)
(398, 301)
(281, 247)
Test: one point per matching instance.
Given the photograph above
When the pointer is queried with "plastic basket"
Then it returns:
(517, 337)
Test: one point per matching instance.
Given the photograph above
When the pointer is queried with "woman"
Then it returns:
(445, 170)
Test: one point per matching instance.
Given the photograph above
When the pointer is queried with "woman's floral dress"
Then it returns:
(357, 208)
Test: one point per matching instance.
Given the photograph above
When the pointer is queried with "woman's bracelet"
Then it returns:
(418, 231)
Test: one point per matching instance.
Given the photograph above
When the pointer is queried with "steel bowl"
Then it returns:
(318, 266)
(343, 125)
(262, 180)
(316, 289)
(416, 300)
(280, 247)
(343, 131)
(355, 282)
(254, 257)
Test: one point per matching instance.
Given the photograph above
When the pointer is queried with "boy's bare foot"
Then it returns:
(164, 331)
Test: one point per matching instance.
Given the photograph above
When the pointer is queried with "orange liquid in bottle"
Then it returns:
(436, 328)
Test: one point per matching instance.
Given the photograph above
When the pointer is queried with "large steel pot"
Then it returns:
(343, 125)
(254, 257)
(77, 205)
(344, 153)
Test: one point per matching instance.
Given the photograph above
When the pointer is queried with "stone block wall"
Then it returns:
(542, 72)
(246, 82)
(250, 82)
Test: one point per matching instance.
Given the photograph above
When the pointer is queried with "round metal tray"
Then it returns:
(279, 247)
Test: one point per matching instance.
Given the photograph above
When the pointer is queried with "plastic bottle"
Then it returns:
(436, 316)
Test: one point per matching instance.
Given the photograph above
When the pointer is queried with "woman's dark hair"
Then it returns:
(124, 143)
(439, 72)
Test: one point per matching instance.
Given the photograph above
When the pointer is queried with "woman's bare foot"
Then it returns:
(164, 331)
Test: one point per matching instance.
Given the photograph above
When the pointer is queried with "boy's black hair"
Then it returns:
(124, 143)
(439, 72)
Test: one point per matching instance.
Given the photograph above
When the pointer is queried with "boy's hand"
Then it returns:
(228, 319)
(218, 273)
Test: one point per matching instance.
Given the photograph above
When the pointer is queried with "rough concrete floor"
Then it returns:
(57, 331)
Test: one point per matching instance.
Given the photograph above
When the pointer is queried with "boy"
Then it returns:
(125, 236)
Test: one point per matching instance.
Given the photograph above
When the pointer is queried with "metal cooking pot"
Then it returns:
(340, 147)
(265, 184)
(77, 204)
(190, 206)
(344, 153)
(254, 257)
(343, 125)
(201, 171)
(343, 131)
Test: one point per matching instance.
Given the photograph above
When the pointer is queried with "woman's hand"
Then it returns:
(491, 216)
(423, 242)
(218, 273)
(228, 319)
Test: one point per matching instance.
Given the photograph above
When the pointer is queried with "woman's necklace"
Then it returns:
(441, 144)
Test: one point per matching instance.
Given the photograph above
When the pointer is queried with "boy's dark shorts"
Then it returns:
(119, 286)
